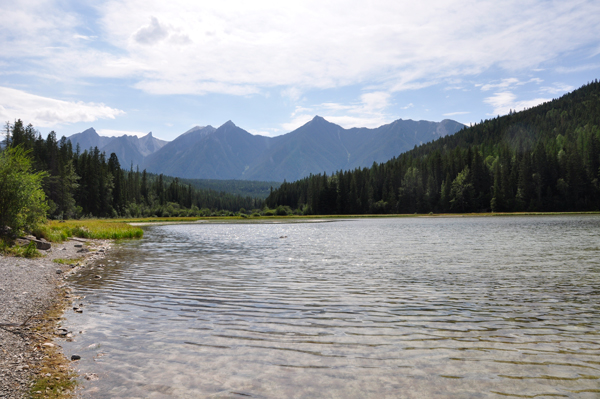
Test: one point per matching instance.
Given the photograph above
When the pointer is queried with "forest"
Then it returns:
(87, 183)
(546, 158)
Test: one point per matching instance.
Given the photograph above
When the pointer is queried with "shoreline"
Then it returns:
(142, 222)
(35, 295)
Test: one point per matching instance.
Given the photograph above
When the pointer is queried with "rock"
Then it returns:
(78, 245)
(62, 332)
(48, 345)
(83, 250)
(75, 357)
(64, 249)
(91, 376)
(58, 271)
(43, 245)
(97, 276)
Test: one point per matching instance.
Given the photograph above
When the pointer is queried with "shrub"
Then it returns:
(22, 201)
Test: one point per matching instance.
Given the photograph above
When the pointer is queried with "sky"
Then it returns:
(135, 66)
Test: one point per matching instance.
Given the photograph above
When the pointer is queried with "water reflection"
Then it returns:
(461, 307)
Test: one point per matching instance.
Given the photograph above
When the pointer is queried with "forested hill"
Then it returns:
(89, 183)
(545, 158)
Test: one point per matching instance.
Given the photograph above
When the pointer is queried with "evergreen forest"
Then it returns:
(546, 158)
(89, 184)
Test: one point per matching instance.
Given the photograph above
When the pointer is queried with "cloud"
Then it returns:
(49, 112)
(557, 88)
(155, 32)
(507, 83)
(503, 102)
(296, 122)
(254, 46)
(293, 93)
(580, 68)
(151, 34)
(457, 113)
(371, 110)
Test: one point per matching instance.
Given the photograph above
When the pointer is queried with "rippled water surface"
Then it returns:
(416, 308)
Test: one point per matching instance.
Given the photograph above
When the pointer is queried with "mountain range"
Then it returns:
(229, 152)
(131, 150)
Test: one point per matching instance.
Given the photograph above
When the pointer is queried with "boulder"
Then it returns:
(43, 245)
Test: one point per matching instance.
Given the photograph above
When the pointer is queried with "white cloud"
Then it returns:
(49, 112)
(557, 88)
(239, 47)
(293, 93)
(370, 111)
(503, 102)
(296, 122)
(457, 113)
(507, 83)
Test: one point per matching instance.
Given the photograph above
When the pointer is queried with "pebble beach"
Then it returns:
(29, 288)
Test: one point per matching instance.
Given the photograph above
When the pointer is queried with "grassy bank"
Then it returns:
(58, 231)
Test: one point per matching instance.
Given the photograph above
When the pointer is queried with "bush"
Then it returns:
(22, 201)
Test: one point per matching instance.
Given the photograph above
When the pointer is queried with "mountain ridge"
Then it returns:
(230, 152)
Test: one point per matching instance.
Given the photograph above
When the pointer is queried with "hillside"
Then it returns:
(546, 158)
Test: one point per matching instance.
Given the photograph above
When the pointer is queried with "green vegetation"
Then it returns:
(93, 228)
(22, 200)
(544, 159)
(28, 251)
(62, 261)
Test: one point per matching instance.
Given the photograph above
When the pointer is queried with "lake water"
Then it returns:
(399, 308)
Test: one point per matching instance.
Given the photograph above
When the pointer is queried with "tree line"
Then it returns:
(545, 158)
(88, 183)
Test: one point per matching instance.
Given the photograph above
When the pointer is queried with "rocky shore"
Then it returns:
(29, 289)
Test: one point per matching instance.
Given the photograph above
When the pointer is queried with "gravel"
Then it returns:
(28, 288)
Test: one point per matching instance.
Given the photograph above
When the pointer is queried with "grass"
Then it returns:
(28, 251)
(58, 231)
(64, 261)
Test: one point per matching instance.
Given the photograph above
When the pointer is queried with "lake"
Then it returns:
(469, 307)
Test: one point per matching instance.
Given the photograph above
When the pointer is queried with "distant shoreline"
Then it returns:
(326, 218)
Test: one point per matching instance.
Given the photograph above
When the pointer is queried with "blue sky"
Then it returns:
(134, 66)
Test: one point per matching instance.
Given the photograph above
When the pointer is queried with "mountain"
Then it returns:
(131, 150)
(321, 146)
(230, 152)
(89, 139)
(208, 153)
(542, 159)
